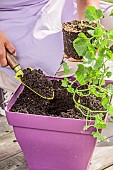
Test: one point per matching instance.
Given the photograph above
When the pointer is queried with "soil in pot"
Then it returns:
(37, 81)
(61, 106)
(70, 33)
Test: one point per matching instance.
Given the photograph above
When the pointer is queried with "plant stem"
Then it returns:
(85, 25)
(77, 105)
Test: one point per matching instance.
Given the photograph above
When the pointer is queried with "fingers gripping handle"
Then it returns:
(12, 62)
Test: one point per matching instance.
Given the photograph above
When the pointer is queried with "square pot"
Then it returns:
(51, 143)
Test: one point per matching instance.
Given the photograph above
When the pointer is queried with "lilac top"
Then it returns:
(34, 28)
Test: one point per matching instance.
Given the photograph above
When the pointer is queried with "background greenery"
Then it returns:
(108, 1)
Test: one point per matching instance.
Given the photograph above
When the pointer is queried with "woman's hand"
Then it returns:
(83, 4)
(5, 44)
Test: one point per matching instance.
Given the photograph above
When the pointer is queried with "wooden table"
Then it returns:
(12, 158)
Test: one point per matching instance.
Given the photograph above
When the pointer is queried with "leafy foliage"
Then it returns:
(93, 14)
(111, 13)
(66, 68)
(93, 71)
(82, 43)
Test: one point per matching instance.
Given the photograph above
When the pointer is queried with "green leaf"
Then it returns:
(109, 74)
(99, 123)
(109, 54)
(66, 68)
(70, 89)
(92, 14)
(99, 117)
(94, 91)
(65, 82)
(80, 44)
(91, 49)
(105, 43)
(95, 81)
(98, 64)
(91, 32)
(89, 55)
(111, 14)
(88, 62)
(105, 102)
(98, 136)
(80, 74)
(109, 89)
(86, 127)
(110, 34)
(102, 52)
(98, 73)
(102, 82)
(110, 109)
(98, 32)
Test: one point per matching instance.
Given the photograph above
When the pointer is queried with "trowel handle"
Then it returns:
(12, 62)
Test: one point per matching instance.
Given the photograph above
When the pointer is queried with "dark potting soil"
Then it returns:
(37, 81)
(61, 106)
(70, 33)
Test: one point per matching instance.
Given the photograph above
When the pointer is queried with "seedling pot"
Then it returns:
(70, 33)
(52, 143)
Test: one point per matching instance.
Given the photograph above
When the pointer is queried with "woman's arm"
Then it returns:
(5, 44)
(83, 4)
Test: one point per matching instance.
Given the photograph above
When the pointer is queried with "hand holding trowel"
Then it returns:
(13, 63)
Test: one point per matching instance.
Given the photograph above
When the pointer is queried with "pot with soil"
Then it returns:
(70, 33)
(49, 132)
(61, 134)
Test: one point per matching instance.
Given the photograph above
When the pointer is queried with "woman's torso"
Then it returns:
(19, 18)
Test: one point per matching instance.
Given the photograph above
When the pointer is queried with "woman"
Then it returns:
(33, 30)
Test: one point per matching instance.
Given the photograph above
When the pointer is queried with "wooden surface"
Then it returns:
(12, 158)
(110, 168)
(102, 158)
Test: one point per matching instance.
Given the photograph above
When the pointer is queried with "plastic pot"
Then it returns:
(51, 143)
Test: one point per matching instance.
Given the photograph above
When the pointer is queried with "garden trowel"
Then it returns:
(13, 63)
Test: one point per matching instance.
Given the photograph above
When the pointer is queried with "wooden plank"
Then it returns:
(109, 130)
(16, 162)
(12, 158)
(110, 168)
(8, 146)
(106, 143)
(102, 158)
(4, 127)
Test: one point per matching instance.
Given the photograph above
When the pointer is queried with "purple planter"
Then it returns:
(51, 143)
